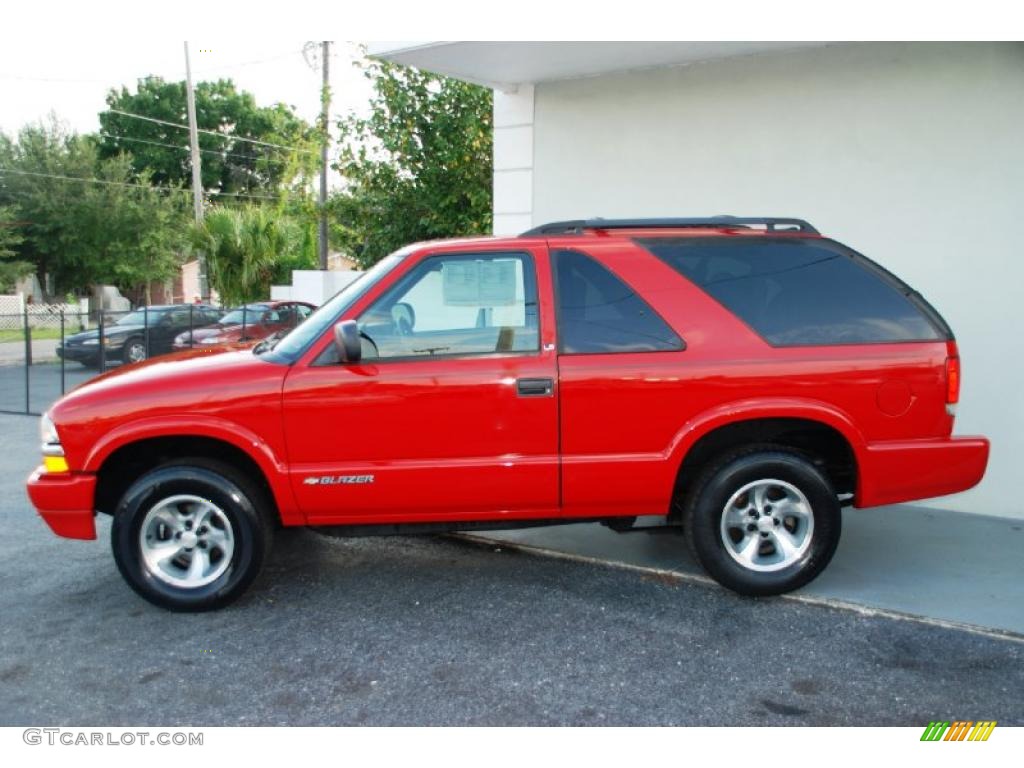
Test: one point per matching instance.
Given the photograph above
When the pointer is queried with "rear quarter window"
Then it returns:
(796, 292)
(599, 314)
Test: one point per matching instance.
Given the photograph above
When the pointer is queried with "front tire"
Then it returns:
(191, 536)
(763, 521)
(134, 350)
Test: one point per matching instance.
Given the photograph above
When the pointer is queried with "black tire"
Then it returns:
(241, 501)
(133, 343)
(705, 509)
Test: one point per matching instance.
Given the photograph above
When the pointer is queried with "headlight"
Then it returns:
(47, 431)
(53, 451)
(212, 339)
(90, 342)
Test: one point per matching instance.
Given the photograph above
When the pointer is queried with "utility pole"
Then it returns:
(325, 103)
(197, 172)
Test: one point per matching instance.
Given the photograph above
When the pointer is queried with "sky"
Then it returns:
(71, 78)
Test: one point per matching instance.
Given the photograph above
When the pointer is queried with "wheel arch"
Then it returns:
(817, 430)
(141, 445)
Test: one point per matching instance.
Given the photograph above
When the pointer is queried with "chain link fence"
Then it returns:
(44, 355)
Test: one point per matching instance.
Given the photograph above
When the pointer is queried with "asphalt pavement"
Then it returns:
(441, 631)
(43, 383)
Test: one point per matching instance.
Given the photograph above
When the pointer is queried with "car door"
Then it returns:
(161, 335)
(451, 414)
(619, 366)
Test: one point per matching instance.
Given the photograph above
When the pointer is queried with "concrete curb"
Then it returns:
(689, 578)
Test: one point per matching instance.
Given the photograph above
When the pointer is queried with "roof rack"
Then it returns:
(576, 226)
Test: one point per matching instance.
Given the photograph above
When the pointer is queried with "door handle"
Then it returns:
(535, 387)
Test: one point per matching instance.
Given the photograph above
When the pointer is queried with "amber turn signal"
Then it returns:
(55, 463)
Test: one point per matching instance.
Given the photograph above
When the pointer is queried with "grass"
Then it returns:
(37, 334)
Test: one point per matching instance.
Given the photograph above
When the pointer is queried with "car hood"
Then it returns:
(195, 381)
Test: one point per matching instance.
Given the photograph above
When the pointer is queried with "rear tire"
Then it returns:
(191, 535)
(763, 521)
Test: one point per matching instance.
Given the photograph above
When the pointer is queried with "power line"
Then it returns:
(131, 184)
(91, 181)
(252, 63)
(218, 152)
(211, 133)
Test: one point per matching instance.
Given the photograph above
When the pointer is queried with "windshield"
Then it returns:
(292, 345)
(141, 318)
(252, 313)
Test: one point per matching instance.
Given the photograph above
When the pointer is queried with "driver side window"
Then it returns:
(456, 305)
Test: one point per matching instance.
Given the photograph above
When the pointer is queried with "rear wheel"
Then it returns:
(763, 521)
(191, 536)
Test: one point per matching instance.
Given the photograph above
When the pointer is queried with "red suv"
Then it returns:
(742, 378)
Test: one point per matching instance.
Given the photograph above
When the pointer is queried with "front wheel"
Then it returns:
(763, 521)
(191, 536)
(134, 350)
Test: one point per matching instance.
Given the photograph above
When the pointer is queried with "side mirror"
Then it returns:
(346, 339)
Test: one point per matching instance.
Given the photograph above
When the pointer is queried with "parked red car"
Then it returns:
(741, 378)
(251, 322)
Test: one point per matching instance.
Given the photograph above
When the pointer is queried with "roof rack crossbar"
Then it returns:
(576, 226)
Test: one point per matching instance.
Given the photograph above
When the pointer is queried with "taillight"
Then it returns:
(952, 380)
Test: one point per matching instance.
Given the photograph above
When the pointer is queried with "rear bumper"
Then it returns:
(892, 472)
(65, 502)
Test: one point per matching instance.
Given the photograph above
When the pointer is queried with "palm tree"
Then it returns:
(247, 248)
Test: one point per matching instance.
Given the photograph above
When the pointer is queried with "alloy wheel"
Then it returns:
(767, 525)
(186, 541)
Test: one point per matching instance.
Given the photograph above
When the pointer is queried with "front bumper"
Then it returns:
(79, 354)
(65, 502)
(893, 472)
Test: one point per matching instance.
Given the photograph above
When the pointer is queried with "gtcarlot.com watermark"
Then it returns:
(70, 737)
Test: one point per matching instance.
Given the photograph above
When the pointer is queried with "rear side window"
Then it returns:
(598, 313)
(802, 292)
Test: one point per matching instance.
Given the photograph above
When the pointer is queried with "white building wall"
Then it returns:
(513, 160)
(910, 153)
(313, 285)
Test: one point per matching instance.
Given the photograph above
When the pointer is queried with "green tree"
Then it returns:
(228, 165)
(88, 220)
(418, 167)
(249, 247)
(12, 268)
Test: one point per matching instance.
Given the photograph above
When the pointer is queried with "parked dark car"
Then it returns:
(253, 322)
(140, 334)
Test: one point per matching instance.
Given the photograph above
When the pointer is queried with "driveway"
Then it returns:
(441, 631)
(44, 382)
